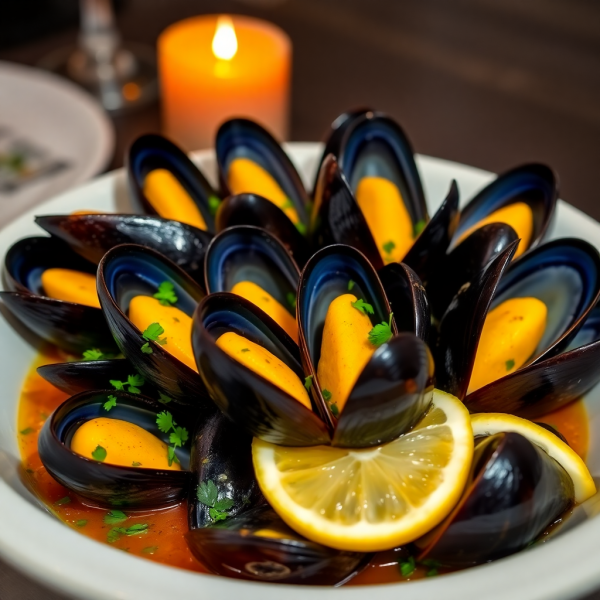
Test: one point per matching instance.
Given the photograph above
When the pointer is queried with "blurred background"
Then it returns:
(490, 83)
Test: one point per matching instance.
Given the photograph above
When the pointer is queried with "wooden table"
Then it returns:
(485, 82)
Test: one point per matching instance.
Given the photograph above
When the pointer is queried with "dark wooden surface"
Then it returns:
(490, 83)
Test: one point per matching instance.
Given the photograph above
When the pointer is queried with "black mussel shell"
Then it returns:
(92, 236)
(430, 247)
(101, 482)
(221, 462)
(392, 392)
(258, 546)
(408, 299)
(251, 209)
(336, 216)
(462, 323)
(534, 184)
(263, 409)
(465, 261)
(514, 493)
(239, 138)
(131, 270)
(152, 151)
(252, 254)
(549, 384)
(70, 326)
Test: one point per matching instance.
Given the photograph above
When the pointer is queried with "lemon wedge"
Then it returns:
(375, 498)
(572, 463)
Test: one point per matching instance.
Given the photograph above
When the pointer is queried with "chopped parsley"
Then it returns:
(163, 398)
(418, 228)
(407, 567)
(99, 454)
(351, 285)
(150, 550)
(363, 307)
(152, 333)
(208, 494)
(63, 501)
(81, 523)
(388, 247)
(110, 403)
(291, 300)
(136, 464)
(93, 354)
(333, 407)
(245, 349)
(132, 385)
(166, 294)
(114, 517)
(213, 205)
(510, 364)
(27, 431)
(178, 435)
(308, 381)
(432, 566)
(327, 395)
(116, 532)
(382, 333)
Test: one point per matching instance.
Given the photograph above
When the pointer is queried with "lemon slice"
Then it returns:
(572, 463)
(375, 498)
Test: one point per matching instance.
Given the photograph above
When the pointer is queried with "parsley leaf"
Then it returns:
(327, 395)
(132, 385)
(291, 299)
(93, 354)
(152, 333)
(62, 501)
(207, 493)
(166, 294)
(407, 567)
(510, 364)
(163, 398)
(388, 247)
(178, 436)
(116, 532)
(99, 454)
(224, 504)
(81, 523)
(363, 307)
(333, 407)
(110, 403)
(351, 285)
(146, 348)
(308, 381)
(213, 205)
(382, 333)
(136, 464)
(118, 385)
(217, 515)
(245, 350)
(418, 228)
(27, 431)
(115, 516)
(335, 411)
(150, 550)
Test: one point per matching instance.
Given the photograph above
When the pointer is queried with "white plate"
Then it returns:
(63, 123)
(45, 549)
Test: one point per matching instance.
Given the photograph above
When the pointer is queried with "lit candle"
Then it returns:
(215, 67)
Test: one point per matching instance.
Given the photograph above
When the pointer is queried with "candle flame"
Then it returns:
(224, 44)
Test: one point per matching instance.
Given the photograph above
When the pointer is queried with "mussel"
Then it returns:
(163, 181)
(93, 235)
(130, 272)
(72, 326)
(251, 161)
(96, 477)
(258, 546)
(515, 491)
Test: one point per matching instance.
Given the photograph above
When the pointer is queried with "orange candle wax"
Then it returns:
(216, 67)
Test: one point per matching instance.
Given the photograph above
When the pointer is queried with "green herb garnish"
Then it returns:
(363, 307)
(245, 349)
(327, 395)
(116, 532)
(388, 247)
(407, 567)
(115, 516)
(99, 454)
(301, 227)
(152, 333)
(213, 205)
(132, 385)
(382, 333)
(27, 431)
(510, 364)
(136, 464)
(418, 228)
(178, 435)
(93, 354)
(333, 407)
(163, 398)
(208, 494)
(110, 403)
(81, 523)
(166, 294)
(291, 300)
(62, 501)
(308, 381)
(150, 550)
(351, 285)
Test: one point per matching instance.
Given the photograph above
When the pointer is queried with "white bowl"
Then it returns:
(38, 544)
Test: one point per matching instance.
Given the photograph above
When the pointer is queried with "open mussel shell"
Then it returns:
(101, 482)
(547, 385)
(128, 271)
(68, 325)
(252, 209)
(392, 392)
(221, 456)
(242, 138)
(515, 491)
(534, 184)
(263, 409)
(252, 254)
(465, 262)
(152, 151)
(258, 546)
(92, 236)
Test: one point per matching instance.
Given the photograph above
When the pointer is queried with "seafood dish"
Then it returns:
(279, 384)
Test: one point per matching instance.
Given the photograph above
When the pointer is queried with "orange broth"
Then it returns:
(164, 540)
